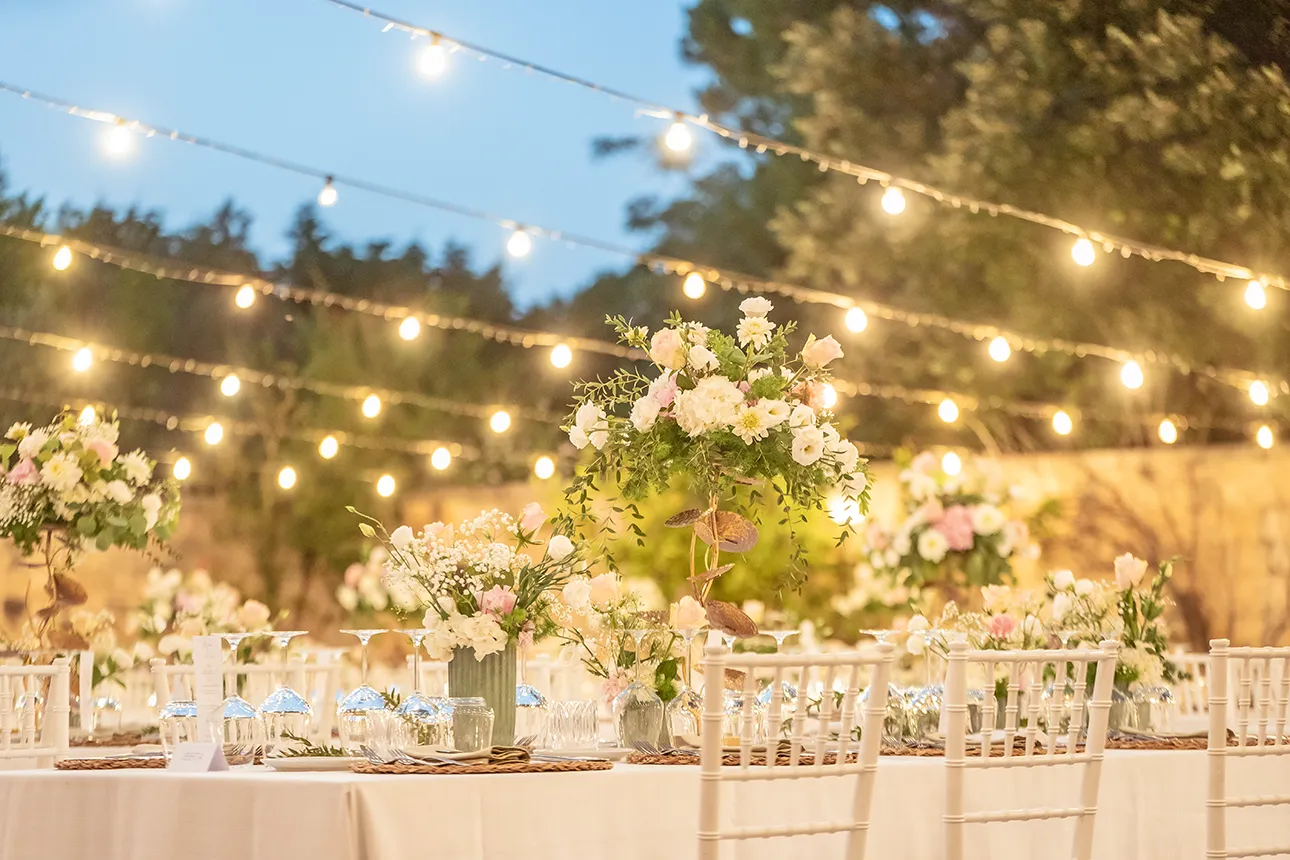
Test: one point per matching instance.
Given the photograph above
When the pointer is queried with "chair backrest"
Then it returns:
(1261, 677)
(1024, 675)
(804, 756)
(35, 713)
(1192, 693)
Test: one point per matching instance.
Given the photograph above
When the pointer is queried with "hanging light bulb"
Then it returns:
(828, 396)
(1259, 392)
(1131, 375)
(1264, 437)
(214, 433)
(951, 464)
(1000, 349)
(329, 195)
(87, 417)
(182, 469)
(544, 468)
(1083, 252)
(694, 286)
(1255, 295)
(948, 411)
(441, 459)
(500, 422)
(328, 447)
(82, 360)
(371, 406)
(410, 328)
(432, 61)
(245, 296)
(561, 355)
(893, 201)
(678, 138)
(287, 478)
(385, 486)
(230, 385)
(1168, 432)
(1062, 424)
(519, 244)
(856, 320)
(119, 140)
(62, 258)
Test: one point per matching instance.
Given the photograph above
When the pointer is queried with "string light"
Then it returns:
(432, 61)
(1168, 432)
(230, 385)
(1000, 349)
(893, 201)
(385, 486)
(828, 396)
(329, 195)
(441, 459)
(678, 138)
(1083, 252)
(500, 422)
(410, 328)
(118, 141)
(694, 286)
(1255, 296)
(1131, 375)
(287, 478)
(87, 417)
(856, 320)
(1264, 437)
(951, 464)
(520, 243)
(328, 448)
(245, 296)
(214, 433)
(544, 468)
(182, 469)
(82, 360)
(948, 411)
(62, 259)
(1062, 424)
(1259, 392)
(561, 355)
(371, 406)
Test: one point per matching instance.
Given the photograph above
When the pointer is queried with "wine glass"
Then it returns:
(530, 707)
(352, 714)
(685, 712)
(788, 692)
(242, 729)
(638, 710)
(895, 726)
(286, 713)
(426, 722)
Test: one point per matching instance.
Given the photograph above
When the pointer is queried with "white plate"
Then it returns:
(611, 753)
(310, 763)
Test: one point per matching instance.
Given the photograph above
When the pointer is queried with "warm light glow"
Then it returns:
(893, 201)
(1255, 296)
(119, 141)
(828, 396)
(432, 61)
(519, 244)
(694, 286)
(561, 355)
(1083, 252)
(182, 469)
(1062, 424)
(82, 360)
(843, 511)
(371, 406)
(230, 385)
(857, 321)
(948, 411)
(1131, 375)
(410, 328)
(88, 416)
(214, 433)
(500, 422)
(544, 468)
(951, 464)
(1168, 432)
(1259, 392)
(287, 478)
(1264, 437)
(678, 138)
(1000, 349)
(63, 258)
(385, 486)
(328, 447)
(245, 296)
(441, 459)
(329, 195)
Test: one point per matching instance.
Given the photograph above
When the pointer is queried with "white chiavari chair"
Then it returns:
(35, 714)
(1041, 748)
(806, 754)
(1261, 677)
(1192, 693)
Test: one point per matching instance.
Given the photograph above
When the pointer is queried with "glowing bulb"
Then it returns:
(828, 396)
(948, 411)
(857, 321)
(1168, 432)
(1264, 437)
(500, 422)
(1062, 424)
(893, 201)
(371, 406)
(678, 138)
(441, 459)
(118, 141)
(245, 296)
(82, 360)
(1083, 252)
(63, 258)
(433, 59)
(214, 433)
(385, 486)
(1000, 349)
(287, 478)
(182, 469)
(87, 417)
(561, 355)
(230, 385)
(843, 511)
(694, 286)
(544, 468)
(328, 447)
(1259, 392)
(951, 464)
(519, 244)
(1255, 296)
(329, 195)
(1131, 375)
(410, 328)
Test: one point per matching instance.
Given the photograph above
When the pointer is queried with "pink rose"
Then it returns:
(604, 590)
(818, 353)
(353, 574)
(667, 349)
(663, 390)
(532, 518)
(956, 526)
(1002, 625)
(932, 511)
(497, 600)
(24, 473)
(105, 450)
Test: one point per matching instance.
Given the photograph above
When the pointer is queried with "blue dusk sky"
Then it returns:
(320, 85)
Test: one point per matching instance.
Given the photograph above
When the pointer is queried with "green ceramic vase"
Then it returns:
(493, 680)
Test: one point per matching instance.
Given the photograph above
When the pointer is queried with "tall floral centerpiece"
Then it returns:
(68, 489)
(724, 411)
(486, 585)
(176, 606)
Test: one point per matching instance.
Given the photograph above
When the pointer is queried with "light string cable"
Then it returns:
(1110, 242)
(724, 278)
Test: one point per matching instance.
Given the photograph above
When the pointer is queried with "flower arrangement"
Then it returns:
(725, 411)
(480, 587)
(176, 607)
(365, 594)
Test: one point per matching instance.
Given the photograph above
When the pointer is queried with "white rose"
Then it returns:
(916, 644)
(847, 455)
(801, 416)
(932, 546)
(401, 538)
(644, 413)
(1061, 605)
(559, 547)
(1129, 571)
(702, 358)
(151, 505)
(118, 492)
(918, 624)
(817, 353)
(757, 306)
(667, 349)
(577, 593)
(854, 484)
(1084, 587)
(1063, 580)
(688, 614)
(808, 445)
(578, 437)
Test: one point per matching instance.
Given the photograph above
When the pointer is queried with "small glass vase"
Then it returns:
(491, 679)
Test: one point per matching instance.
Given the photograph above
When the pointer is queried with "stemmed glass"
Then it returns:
(530, 707)
(243, 731)
(788, 692)
(685, 712)
(353, 712)
(895, 725)
(637, 709)
(286, 713)
(425, 720)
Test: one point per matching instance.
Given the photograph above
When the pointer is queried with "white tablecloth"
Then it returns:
(1152, 808)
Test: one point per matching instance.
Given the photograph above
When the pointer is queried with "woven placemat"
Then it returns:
(151, 762)
(506, 767)
(119, 739)
(729, 759)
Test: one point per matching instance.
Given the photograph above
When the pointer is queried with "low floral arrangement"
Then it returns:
(176, 607)
(725, 411)
(365, 596)
(481, 587)
(111, 661)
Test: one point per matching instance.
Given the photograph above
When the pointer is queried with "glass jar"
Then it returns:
(472, 724)
(178, 724)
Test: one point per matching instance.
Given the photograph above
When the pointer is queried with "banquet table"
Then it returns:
(1152, 806)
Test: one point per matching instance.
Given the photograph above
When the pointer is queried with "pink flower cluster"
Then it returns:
(956, 525)
(498, 600)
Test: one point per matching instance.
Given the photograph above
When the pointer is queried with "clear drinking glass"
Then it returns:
(733, 721)
(685, 711)
(242, 730)
(427, 724)
(574, 725)
(286, 713)
(472, 724)
(353, 711)
(178, 724)
(531, 711)
(638, 711)
(788, 692)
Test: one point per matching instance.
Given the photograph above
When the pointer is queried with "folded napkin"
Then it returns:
(491, 755)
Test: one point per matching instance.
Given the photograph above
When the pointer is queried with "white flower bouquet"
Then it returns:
(176, 607)
(365, 593)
